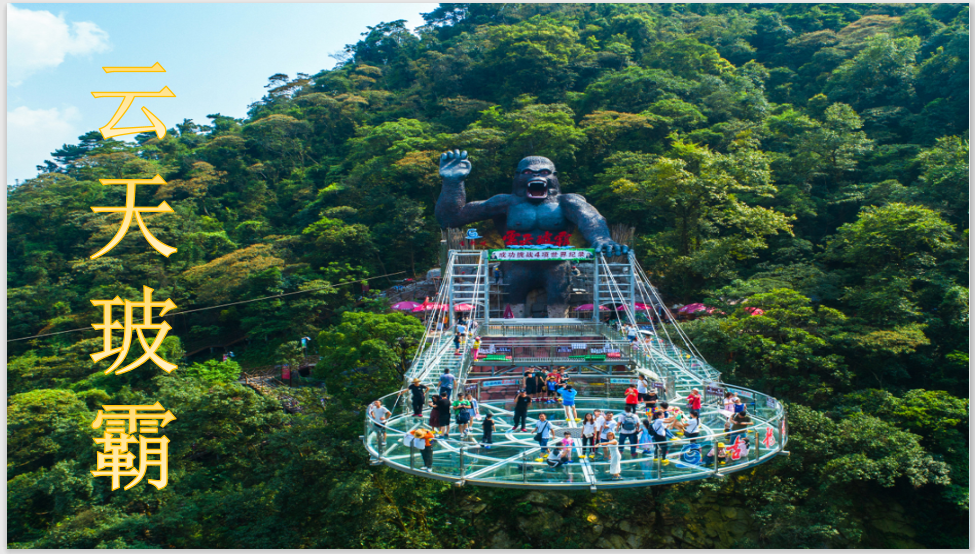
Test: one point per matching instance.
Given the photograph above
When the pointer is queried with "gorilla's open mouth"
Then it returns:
(537, 189)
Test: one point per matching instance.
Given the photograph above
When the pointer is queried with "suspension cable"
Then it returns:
(219, 306)
(687, 342)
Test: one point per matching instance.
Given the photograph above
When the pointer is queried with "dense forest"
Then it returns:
(811, 160)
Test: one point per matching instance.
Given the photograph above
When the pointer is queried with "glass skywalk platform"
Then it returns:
(514, 459)
(601, 363)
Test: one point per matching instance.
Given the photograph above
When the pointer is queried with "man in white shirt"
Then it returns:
(659, 431)
(641, 389)
(559, 457)
(693, 427)
(378, 414)
(603, 424)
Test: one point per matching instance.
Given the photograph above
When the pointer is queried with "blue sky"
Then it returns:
(217, 57)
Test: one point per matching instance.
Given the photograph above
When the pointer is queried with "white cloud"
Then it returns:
(39, 40)
(33, 134)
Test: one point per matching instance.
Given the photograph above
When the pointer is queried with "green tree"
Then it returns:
(700, 194)
(367, 355)
(43, 427)
(881, 74)
(896, 237)
(834, 463)
(827, 154)
(213, 371)
(944, 178)
(787, 348)
(535, 129)
(538, 57)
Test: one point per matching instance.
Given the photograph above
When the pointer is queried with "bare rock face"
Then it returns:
(629, 527)
(544, 522)
(548, 499)
(729, 513)
(500, 539)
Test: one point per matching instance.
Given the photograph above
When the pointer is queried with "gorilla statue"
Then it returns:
(535, 206)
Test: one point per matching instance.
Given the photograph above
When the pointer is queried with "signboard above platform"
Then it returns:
(542, 255)
(500, 382)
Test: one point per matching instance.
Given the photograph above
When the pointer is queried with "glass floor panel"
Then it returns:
(514, 458)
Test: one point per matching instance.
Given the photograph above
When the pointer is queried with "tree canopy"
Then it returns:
(810, 160)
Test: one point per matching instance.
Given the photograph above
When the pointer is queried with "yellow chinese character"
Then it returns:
(116, 460)
(129, 210)
(109, 130)
(154, 68)
(108, 325)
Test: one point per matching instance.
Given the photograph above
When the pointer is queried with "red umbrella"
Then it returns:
(643, 307)
(693, 308)
(588, 308)
(425, 307)
(508, 314)
(405, 305)
(754, 311)
(463, 308)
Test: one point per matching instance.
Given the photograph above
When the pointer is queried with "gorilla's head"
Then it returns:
(535, 180)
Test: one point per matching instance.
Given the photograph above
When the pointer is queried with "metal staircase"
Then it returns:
(681, 368)
(464, 281)
(614, 283)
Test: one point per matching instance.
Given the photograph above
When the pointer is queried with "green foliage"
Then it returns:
(537, 56)
(787, 347)
(213, 372)
(880, 75)
(41, 426)
(896, 236)
(698, 191)
(810, 160)
(944, 178)
(817, 496)
(367, 354)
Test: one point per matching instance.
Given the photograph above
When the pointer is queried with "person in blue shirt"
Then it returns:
(446, 383)
(569, 403)
(550, 387)
(543, 432)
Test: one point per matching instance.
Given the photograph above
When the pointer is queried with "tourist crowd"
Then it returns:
(647, 424)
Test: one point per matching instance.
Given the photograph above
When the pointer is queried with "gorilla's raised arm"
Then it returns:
(591, 223)
(452, 209)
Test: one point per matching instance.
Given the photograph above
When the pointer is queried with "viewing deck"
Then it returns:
(514, 460)
(600, 363)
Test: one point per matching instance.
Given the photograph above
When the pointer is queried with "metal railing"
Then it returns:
(514, 459)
